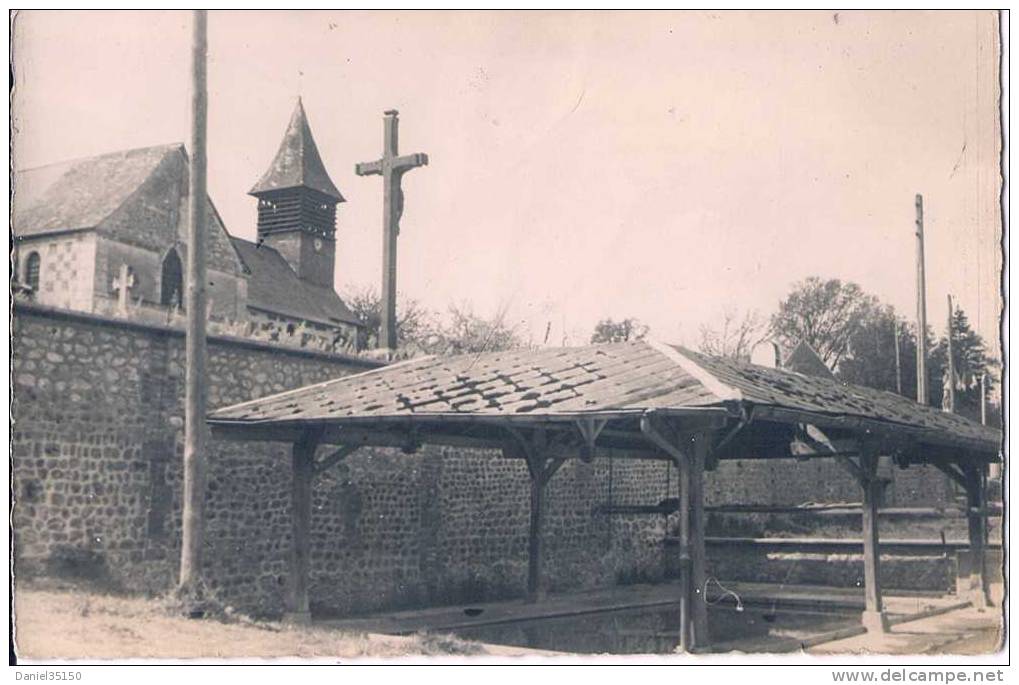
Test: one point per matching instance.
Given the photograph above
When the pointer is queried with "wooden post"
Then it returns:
(975, 500)
(303, 461)
(921, 309)
(698, 555)
(195, 430)
(541, 471)
(685, 567)
(874, 619)
(534, 584)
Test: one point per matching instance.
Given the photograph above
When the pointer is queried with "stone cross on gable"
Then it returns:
(391, 167)
(122, 285)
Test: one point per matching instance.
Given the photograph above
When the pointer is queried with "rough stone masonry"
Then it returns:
(96, 456)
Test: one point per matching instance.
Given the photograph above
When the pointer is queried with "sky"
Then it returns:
(669, 166)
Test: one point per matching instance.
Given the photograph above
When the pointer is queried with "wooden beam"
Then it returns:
(534, 546)
(854, 469)
(976, 583)
(698, 556)
(850, 509)
(953, 472)
(589, 430)
(541, 468)
(330, 460)
(874, 619)
(685, 580)
(303, 457)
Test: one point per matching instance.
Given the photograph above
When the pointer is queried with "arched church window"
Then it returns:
(33, 265)
(171, 292)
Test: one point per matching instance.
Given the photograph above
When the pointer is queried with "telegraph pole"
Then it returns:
(193, 514)
(921, 308)
(898, 361)
(983, 399)
(950, 380)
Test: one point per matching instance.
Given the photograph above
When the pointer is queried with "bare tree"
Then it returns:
(466, 332)
(416, 327)
(736, 338)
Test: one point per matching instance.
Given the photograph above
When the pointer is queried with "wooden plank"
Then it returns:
(854, 509)
(303, 459)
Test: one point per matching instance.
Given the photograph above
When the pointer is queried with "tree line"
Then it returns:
(862, 340)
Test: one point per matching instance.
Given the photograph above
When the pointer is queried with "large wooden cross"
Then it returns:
(391, 167)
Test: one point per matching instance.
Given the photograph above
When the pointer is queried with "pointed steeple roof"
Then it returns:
(297, 163)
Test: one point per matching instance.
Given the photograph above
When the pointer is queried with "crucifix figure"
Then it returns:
(122, 284)
(391, 167)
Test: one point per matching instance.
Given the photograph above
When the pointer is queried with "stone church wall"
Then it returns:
(66, 268)
(226, 291)
(97, 486)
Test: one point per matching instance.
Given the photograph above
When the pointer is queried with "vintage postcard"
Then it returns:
(512, 336)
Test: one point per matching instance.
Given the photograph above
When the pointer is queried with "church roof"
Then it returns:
(81, 193)
(297, 163)
(135, 196)
(805, 359)
(275, 287)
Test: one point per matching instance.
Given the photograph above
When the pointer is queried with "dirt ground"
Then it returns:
(80, 624)
(53, 621)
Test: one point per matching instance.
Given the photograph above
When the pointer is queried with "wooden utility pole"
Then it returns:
(983, 399)
(949, 393)
(898, 361)
(391, 167)
(193, 515)
(921, 308)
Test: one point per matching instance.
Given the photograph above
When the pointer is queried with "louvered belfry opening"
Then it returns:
(296, 209)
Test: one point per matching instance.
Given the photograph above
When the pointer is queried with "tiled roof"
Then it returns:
(633, 376)
(275, 287)
(81, 193)
(786, 389)
(297, 162)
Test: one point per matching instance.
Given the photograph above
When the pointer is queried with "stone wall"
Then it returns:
(97, 445)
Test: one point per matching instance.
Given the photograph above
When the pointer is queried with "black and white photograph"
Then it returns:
(509, 337)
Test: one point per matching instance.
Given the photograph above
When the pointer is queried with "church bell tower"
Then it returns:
(297, 205)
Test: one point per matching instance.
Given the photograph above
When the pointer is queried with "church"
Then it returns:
(93, 234)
